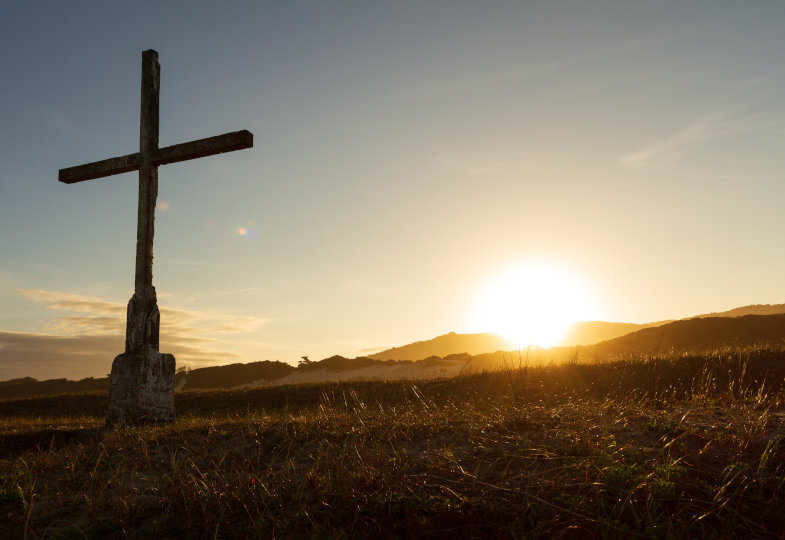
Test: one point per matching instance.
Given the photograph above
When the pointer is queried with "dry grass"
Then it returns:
(660, 447)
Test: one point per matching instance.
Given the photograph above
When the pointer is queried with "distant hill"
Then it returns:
(232, 375)
(580, 333)
(340, 363)
(446, 345)
(591, 332)
(29, 386)
(699, 334)
(755, 309)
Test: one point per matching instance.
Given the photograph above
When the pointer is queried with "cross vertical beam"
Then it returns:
(143, 322)
(148, 172)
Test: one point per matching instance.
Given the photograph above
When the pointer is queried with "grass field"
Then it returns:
(668, 446)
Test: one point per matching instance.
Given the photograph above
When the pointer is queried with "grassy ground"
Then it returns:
(660, 447)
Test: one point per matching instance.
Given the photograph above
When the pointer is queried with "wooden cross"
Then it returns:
(142, 326)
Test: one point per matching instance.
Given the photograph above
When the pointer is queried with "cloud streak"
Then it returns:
(90, 333)
(710, 127)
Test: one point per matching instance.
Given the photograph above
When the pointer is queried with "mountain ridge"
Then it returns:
(694, 334)
(700, 334)
(583, 334)
(445, 345)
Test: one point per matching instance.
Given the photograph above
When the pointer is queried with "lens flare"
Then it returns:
(246, 232)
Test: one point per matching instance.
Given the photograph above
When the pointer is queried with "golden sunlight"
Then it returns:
(531, 304)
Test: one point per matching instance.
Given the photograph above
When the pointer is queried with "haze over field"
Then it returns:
(418, 169)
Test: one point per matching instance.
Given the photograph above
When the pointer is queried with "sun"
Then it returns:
(531, 304)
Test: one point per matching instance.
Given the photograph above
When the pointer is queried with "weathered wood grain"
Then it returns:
(99, 169)
(228, 142)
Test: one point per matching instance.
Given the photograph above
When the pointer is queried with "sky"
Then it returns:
(408, 156)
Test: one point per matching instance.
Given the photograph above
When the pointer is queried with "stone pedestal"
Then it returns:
(141, 389)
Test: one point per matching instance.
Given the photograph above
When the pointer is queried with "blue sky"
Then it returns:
(405, 154)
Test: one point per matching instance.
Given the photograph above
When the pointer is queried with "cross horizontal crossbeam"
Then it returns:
(227, 142)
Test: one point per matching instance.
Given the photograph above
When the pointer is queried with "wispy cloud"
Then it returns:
(230, 292)
(710, 127)
(90, 332)
(61, 301)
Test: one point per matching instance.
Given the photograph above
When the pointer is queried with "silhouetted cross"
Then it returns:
(142, 326)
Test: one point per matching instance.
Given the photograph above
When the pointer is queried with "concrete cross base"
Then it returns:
(141, 389)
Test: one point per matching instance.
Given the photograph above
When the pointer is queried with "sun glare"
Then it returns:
(531, 304)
